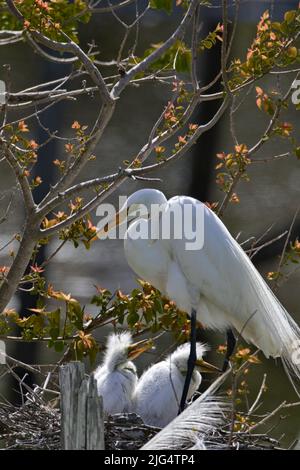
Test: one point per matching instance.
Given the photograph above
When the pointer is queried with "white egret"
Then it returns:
(194, 426)
(217, 281)
(159, 389)
(117, 377)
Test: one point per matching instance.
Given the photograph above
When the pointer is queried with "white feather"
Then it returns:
(198, 443)
(201, 418)
(116, 377)
(158, 392)
(219, 281)
(117, 349)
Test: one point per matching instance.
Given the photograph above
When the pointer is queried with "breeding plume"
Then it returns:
(116, 377)
(217, 281)
(159, 390)
(198, 444)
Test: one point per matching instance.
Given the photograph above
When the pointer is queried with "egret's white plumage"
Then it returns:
(196, 423)
(198, 444)
(158, 392)
(116, 377)
(219, 281)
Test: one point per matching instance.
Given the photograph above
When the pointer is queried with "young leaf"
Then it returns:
(166, 5)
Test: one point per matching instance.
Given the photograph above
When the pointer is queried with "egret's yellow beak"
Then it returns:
(207, 367)
(118, 220)
(136, 349)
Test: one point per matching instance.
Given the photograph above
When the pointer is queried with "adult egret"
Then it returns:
(117, 378)
(217, 281)
(159, 390)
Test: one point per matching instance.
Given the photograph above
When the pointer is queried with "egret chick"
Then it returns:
(196, 423)
(116, 377)
(158, 392)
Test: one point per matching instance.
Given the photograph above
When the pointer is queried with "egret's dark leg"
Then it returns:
(191, 362)
(231, 342)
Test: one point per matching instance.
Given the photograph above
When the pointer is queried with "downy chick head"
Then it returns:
(120, 351)
(180, 360)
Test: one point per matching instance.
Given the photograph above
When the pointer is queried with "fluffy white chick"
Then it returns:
(158, 392)
(117, 377)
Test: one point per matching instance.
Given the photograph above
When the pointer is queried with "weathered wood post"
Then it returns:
(82, 423)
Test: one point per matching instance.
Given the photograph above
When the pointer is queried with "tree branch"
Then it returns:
(144, 64)
(22, 179)
(132, 172)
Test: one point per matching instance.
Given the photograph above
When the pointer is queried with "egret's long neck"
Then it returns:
(144, 228)
(115, 361)
(145, 256)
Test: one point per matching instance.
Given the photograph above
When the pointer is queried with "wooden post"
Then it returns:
(82, 423)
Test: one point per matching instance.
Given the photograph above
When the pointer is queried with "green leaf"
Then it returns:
(54, 333)
(177, 55)
(97, 300)
(59, 346)
(61, 15)
(183, 60)
(148, 315)
(136, 293)
(289, 16)
(54, 321)
(132, 318)
(75, 314)
(166, 5)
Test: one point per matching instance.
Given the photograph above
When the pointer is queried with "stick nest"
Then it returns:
(36, 425)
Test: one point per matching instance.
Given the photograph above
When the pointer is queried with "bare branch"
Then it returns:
(144, 64)
(21, 177)
(263, 139)
(73, 48)
(135, 172)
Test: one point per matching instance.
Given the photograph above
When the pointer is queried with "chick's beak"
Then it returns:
(136, 349)
(207, 367)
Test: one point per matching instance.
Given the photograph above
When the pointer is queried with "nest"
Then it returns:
(225, 440)
(127, 432)
(31, 426)
(36, 425)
